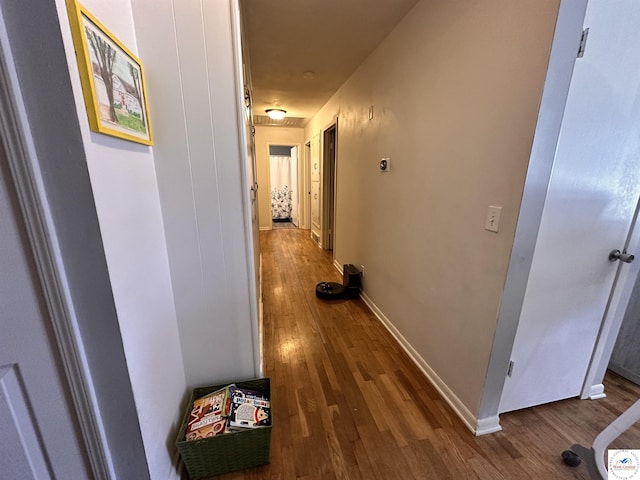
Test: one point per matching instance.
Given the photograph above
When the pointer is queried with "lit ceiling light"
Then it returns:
(276, 113)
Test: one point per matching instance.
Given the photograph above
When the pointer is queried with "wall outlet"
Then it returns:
(492, 222)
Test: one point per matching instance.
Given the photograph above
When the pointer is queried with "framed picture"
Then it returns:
(112, 79)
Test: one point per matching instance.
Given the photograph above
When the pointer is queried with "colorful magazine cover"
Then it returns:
(249, 409)
(208, 415)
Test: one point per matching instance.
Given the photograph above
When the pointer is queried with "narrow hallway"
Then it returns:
(349, 403)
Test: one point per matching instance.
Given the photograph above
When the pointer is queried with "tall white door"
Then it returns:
(39, 436)
(295, 187)
(589, 210)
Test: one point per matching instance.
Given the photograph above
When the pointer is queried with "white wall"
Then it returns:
(123, 178)
(456, 89)
(187, 50)
(266, 136)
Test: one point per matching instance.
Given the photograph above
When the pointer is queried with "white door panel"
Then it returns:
(295, 187)
(315, 158)
(315, 206)
(31, 374)
(589, 209)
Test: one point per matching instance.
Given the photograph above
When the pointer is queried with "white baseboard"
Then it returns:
(488, 425)
(472, 423)
(597, 392)
(336, 264)
(176, 472)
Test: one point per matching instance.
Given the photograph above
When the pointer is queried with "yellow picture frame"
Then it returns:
(112, 79)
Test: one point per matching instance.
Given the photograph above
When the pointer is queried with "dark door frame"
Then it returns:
(329, 170)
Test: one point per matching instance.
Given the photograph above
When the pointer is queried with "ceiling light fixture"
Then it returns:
(309, 75)
(276, 113)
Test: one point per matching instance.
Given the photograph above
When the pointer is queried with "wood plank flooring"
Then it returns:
(349, 404)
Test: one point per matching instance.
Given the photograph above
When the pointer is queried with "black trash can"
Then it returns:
(350, 288)
(352, 280)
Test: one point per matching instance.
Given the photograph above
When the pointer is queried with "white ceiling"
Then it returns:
(330, 38)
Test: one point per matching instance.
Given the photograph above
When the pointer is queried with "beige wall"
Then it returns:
(266, 136)
(455, 89)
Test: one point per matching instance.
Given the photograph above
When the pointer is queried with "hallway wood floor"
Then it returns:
(349, 404)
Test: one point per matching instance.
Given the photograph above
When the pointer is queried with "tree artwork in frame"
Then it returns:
(112, 79)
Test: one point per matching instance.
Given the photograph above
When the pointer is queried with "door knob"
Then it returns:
(622, 256)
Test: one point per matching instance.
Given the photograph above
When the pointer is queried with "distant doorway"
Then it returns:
(283, 177)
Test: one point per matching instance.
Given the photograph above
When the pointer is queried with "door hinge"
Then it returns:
(510, 371)
(583, 42)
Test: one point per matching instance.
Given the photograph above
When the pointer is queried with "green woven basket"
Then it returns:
(228, 452)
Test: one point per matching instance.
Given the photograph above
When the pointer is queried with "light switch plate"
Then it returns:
(492, 222)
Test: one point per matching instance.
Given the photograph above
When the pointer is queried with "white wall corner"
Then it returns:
(468, 418)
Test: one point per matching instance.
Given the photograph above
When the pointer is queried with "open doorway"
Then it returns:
(568, 315)
(329, 186)
(283, 177)
(625, 359)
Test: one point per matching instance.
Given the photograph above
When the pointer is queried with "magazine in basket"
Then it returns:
(248, 409)
(209, 415)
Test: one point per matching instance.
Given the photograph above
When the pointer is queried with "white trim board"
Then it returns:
(236, 30)
(177, 468)
(596, 392)
(338, 266)
(43, 241)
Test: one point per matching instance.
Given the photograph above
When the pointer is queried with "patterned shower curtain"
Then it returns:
(280, 167)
